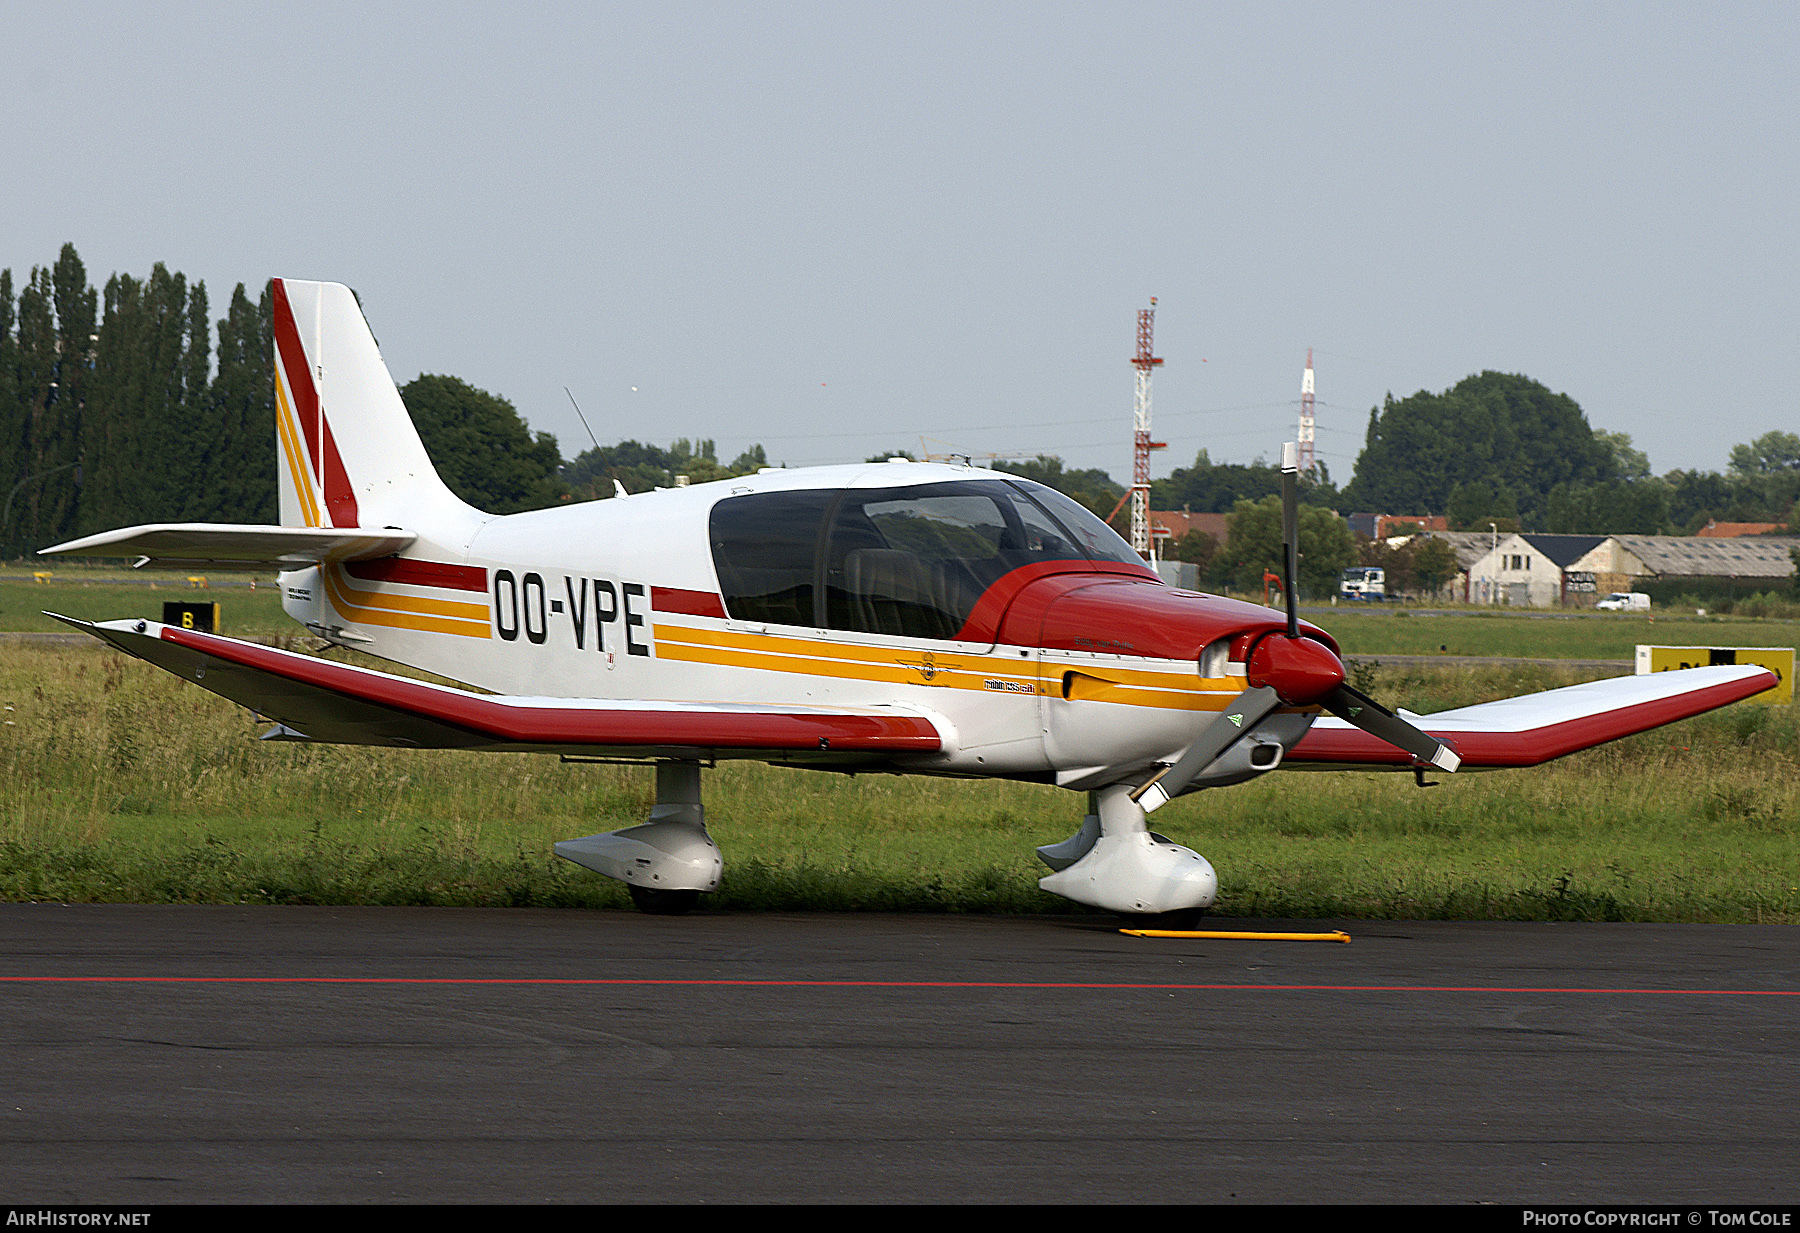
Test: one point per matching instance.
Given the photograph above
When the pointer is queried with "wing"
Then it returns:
(324, 701)
(220, 545)
(1535, 728)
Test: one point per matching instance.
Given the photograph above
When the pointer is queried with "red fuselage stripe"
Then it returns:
(688, 603)
(420, 573)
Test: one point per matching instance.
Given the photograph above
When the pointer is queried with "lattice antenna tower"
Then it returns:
(1141, 444)
(1306, 415)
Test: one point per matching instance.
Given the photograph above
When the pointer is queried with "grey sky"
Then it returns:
(834, 228)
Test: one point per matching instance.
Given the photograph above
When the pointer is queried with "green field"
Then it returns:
(96, 594)
(1583, 635)
(120, 783)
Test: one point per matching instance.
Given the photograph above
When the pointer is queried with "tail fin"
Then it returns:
(349, 454)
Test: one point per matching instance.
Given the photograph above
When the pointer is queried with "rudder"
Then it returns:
(349, 454)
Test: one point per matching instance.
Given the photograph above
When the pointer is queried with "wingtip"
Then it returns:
(86, 627)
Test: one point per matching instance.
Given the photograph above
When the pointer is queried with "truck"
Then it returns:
(1364, 583)
(1625, 601)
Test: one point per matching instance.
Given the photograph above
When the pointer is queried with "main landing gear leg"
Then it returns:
(1114, 862)
(667, 861)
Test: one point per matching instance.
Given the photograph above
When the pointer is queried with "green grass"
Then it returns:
(120, 783)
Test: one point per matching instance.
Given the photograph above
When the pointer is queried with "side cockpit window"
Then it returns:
(765, 546)
(910, 561)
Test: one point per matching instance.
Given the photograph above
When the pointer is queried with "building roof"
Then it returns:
(1564, 550)
(1731, 530)
(1180, 523)
(1470, 546)
(1690, 556)
(1385, 523)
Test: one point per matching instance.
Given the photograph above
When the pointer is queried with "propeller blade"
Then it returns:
(1290, 532)
(1353, 706)
(1246, 711)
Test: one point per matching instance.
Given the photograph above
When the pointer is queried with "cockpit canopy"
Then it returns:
(906, 561)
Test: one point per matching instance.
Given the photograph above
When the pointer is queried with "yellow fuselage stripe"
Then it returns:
(808, 656)
(350, 610)
(411, 603)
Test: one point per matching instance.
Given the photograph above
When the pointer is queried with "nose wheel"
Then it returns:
(1114, 862)
(653, 902)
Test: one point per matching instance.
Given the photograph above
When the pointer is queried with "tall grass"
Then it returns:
(120, 783)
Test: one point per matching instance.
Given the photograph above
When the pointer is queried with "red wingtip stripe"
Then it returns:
(1533, 746)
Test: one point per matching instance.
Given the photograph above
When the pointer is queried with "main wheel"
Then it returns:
(663, 902)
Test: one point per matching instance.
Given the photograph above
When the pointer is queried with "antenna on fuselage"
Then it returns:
(584, 423)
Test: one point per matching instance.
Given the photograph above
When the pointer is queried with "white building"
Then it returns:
(1531, 571)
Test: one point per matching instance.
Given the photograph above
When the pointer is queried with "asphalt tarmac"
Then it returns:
(279, 1055)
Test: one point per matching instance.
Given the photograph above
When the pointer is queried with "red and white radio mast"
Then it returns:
(1141, 444)
(1306, 415)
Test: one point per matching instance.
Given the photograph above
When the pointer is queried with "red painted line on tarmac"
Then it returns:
(869, 984)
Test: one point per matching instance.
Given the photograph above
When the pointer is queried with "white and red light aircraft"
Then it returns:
(907, 618)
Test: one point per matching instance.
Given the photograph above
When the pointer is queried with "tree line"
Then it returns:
(1502, 448)
(131, 404)
(113, 411)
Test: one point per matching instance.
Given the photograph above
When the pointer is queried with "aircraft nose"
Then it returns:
(1300, 671)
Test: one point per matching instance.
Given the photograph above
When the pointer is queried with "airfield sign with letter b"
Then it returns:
(1777, 659)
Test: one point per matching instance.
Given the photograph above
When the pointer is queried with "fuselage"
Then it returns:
(1023, 625)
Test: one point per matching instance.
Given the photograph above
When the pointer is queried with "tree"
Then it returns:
(1196, 546)
(54, 353)
(1210, 488)
(751, 460)
(1498, 430)
(146, 430)
(640, 468)
(481, 448)
(240, 462)
(1475, 503)
(12, 423)
(1623, 461)
(1769, 454)
(1434, 563)
(1395, 561)
(1616, 507)
(1254, 546)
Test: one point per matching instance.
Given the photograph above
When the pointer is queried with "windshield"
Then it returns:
(909, 561)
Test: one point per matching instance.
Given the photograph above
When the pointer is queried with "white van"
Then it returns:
(1625, 601)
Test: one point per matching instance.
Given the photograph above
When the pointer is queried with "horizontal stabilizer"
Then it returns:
(333, 702)
(1535, 728)
(223, 545)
